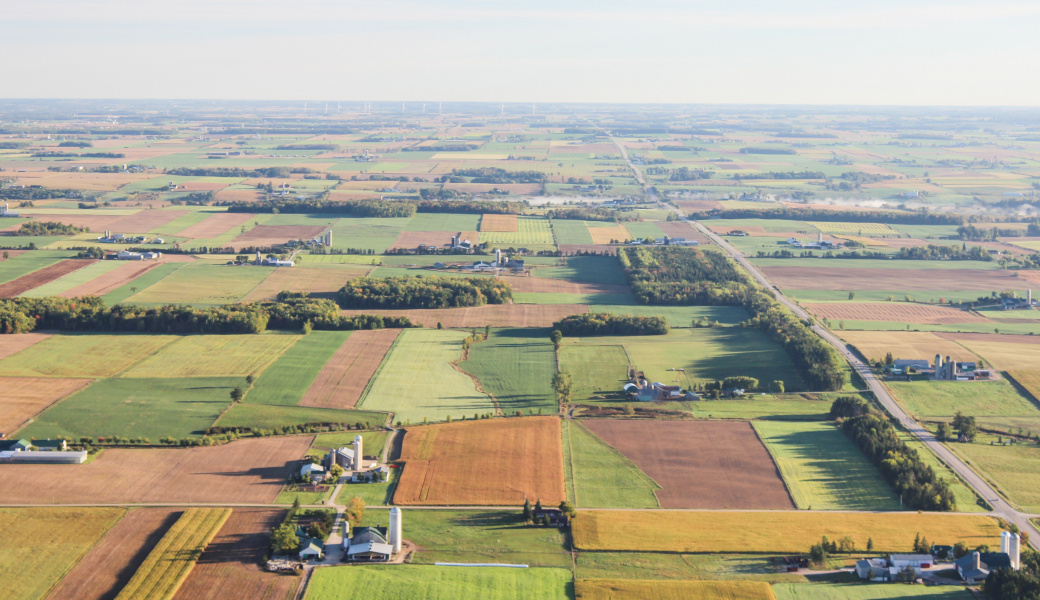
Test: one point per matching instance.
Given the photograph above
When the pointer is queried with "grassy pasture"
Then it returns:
(367, 233)
(772, 531)
(866, 591)
(23, 264)
(531, 231)
(644, 229)
(83, 355)
(966, 499)
(1011, 468)
(266, 416)
(214, 356)
(443, 222)
(421, 582)
(823, 469)
(289, 377)
(43, 544)
(857, 229)
(515, 366)
(977, 398)
(671, 566)
(600, 476)
(152, 277)
(202, 283)
(571, 232)
(586, 269)
(149, 408)
(73, 279)
(678, 316)
(634, 589)
(173, 558)
(417, 381)
(566, 298)
(760, 406)
(595, 370)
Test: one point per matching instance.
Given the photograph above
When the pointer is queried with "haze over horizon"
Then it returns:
(663, 51)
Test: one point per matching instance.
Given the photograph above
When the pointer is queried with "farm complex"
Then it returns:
(473, 352)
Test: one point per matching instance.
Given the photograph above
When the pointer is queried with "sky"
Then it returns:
(872, 52)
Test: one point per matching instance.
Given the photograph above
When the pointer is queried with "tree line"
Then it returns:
(588, 213)
(499, 176)
(35, 228)
(929, 252)
(782, 175)
(846, 216)
(610, 324)
(423, 292)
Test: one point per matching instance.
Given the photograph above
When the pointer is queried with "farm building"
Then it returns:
(120, 238)
(53, 458)
(557, 518)
(14, 445)
(50, 445)
(346, 457)
(124, 255)
(657, 391)
(7, 212)
(918, 363)
(375, 544)
(881, 569)
(316, 472)
(975, 567)
(311, 549)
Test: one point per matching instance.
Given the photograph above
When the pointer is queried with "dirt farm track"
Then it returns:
(700, 464)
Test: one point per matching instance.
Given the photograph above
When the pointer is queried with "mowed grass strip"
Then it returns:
(73, 279)
(285, 381)
(625, 589)
(417, 380)
(822, 469)
(151, 408)
(603, 477)
(516, 366)
(83, 355)
(214, 356)
(173, 558)
(867, 591)
(41, 545)
(267, 416)
(772, 531)
(421, 582)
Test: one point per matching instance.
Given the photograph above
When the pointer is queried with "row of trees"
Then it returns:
(982, 234)
(782, 175)
(499, 176)
(423, 292)
(588, 213)
(35, 228)
(610, 324)
(842, 216)
(355, 208)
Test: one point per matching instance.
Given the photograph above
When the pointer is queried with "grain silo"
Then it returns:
(395, 529)
(357, 452)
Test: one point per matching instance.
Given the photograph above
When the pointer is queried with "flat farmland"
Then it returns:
(25, 397)
(860, 591)
(501, 223)
(531, 231)
(108, 566)
(417, 380)
(82, 355)
(681, 229)
(268, 416)
(625, 589)
(772, 531)
(285, 381)
(43, 544)
(729, 454)
(604, 235)
(370, 233)
(1005, 354)
(496, 315)
(203, 283)
(571, 232)
(13, 343)
(42, 276)
(516, 367)
(873, 345)
(907, 280)
(547, 285)
(594, 370)
(149, 408)
(1011, 468)
(440, 239)
(344, 377)
(823, 469)
(427, 582)
(318, 280)
(600, 476)
(858, 229)
(215, 225)
(489, 462)
(976, 398)
(145, 220)
(121, 275)
(214, 355)
(245, 471)
(270, 235)
(74, 279)
(443, 222)
(585, 269)
(893, 311)
(229, 568)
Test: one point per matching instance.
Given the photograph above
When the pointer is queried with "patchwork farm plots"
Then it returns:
(195, 441)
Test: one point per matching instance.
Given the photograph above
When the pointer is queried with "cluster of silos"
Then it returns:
(1010, 544)
(327, 239)
(945, 371)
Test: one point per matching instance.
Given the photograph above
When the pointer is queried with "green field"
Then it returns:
(516, 366)
(562, 298)
(138, 408)
(823, 470)
(866, 591)
(413, 582)
(83, 355)
(760, 406)
(668, 565)
(367, 233)
(443, 222)
(571, 232)
(679, 316)
(214, 356)
(266, 416)
(1013, 469)
(374, 494)
(531, 231)
(586, 269)
(417, 381)
(23, 264)
(966, 499)
(73, 279)
(202, 283)
(974, 398)
(287, 380)
(614, 589)
(601, 476)
(122, 293)
(43, 544)
(594, 370)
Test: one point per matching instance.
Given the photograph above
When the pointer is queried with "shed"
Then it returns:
(312, 548)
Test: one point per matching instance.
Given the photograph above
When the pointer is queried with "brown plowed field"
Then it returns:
(317, 280)
(596, 248)
(498, 223)
(603, 235)
(412, 239)
(215, 225)
(698, 205)
(25, 397)
(105, 283)
(247, 471)
(229, 568)
(96, 223)
(16, 342)
(700, 464)
(342, 380)
(41, 276)
(496, 315)
(933, 281)
(491, 462)
(562, 286)
(110, 564)
(269, 235)
(679, 229)
(146, 220)
(900, 312)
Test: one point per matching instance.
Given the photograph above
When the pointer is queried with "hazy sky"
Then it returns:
(952, 52)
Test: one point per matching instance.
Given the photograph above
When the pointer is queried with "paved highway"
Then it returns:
(1000, 507)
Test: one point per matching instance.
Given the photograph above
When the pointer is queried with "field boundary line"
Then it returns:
(72, 566)
(261, 282)
(121, 374)
(1021, 389)
(776, 465)
(629, 461)
(161, 279)
(565, 429)
(377, 373)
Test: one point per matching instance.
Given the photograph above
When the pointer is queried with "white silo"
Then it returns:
(1014, 549)
(1029, 297)
(395, 529)
(346, 534)
(357, 452)
(1005, 537)
(938, 367)
(498, 257)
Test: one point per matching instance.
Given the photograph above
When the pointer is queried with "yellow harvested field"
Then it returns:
(1005, 355)
(498, 223)
(900, 312)
(603, 235)
(316, 279)
(25, 397)
(859, 229)
(772, 531)
(863, 240)
(906, 345)
(631, 589)
(214, 356)
(71, 356)
(1030, 380)
(12, 343)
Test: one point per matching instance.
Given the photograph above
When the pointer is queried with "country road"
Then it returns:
(1000, 507)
